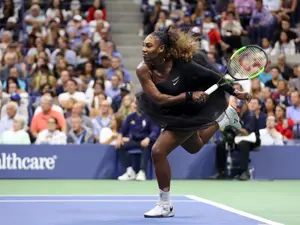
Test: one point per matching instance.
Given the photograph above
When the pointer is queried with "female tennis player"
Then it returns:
(173, 77)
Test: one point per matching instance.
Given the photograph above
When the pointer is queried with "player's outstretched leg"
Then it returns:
(165, 144)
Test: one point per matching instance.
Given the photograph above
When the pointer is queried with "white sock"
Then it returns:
(164, 196)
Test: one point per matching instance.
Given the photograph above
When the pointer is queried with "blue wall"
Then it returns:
(100, 162)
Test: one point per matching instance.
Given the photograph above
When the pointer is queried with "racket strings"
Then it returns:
(247, 63)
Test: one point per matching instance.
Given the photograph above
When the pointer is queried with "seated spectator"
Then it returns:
(6, 122)
(116, 65)
(254, 119)
(281, 94)
(269, 135)
(163, 21)
(231, 31)
(71, 92)
(199, 13)
(261, 23)
(77, 110)
(40, 120)
(275, 79)
(269, 107)
(108, 135)
(52, 134)
(56, 10)
(114, 90)
(295, 82)
(35, 20)
(103, 120)
(284, 45)
(256, 88)
(285, 26)
(266, 45)
(78, 133)
(285, 70)
(141, 133)
(55, 107)
(126, 108)
(17, 135)
(283, 125)
(97, 5)
(293, 111)
(245, 9)
(64, 49)
(98, 19)
(267, 74)
(10, 59)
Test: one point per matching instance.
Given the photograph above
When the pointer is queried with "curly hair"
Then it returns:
(179, 45)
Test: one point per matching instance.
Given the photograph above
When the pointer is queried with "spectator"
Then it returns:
(269, 135)
(77, 110)
(284, 69)
(108, 135)
(103, 120)
(40, 120)
(267, 74)
(231, 31)
(295, 82)
(283, 125)
(52, 134)
(275, 79)
(254, 119)
(261, 23)
(281, 95)
(141, 133)
(17, 135)
(79, 134)
(293, 111)
(6, 122)
(284, 45)
(71, 92)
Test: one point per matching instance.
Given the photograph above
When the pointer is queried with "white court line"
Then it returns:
(86, 201)
(80, 195)
(232, 210)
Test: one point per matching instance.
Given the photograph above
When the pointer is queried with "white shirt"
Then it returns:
(272, 5)
(19, 137)
(267, 139)
(53, 138)
(78, 96)
(105, 134)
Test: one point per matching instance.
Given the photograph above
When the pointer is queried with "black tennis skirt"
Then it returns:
(186, 116)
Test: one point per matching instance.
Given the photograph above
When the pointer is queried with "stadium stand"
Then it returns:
(63, 80)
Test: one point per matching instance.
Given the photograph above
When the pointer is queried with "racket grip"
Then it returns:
(212, 89)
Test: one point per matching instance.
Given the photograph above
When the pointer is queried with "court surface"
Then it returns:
(97, 202)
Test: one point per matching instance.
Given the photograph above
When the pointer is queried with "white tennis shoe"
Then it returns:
(229, 118)
(160, 210)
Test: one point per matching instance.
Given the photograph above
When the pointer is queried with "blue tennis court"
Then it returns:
(124, 210)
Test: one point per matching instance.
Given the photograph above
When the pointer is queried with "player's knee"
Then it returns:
(158, 153)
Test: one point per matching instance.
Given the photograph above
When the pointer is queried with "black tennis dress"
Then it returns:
(197, 75)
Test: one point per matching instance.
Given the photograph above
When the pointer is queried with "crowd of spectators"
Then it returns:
(226, 25)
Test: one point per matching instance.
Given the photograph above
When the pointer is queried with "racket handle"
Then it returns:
(212, 89)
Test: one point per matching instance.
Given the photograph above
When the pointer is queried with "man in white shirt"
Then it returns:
(269, 135)
(71, 93)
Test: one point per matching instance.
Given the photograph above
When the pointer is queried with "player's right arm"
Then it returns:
(151, 90)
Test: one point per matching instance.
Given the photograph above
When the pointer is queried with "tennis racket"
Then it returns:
(246, 63)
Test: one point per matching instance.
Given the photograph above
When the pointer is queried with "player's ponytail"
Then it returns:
(182, 45)
(178, 45)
